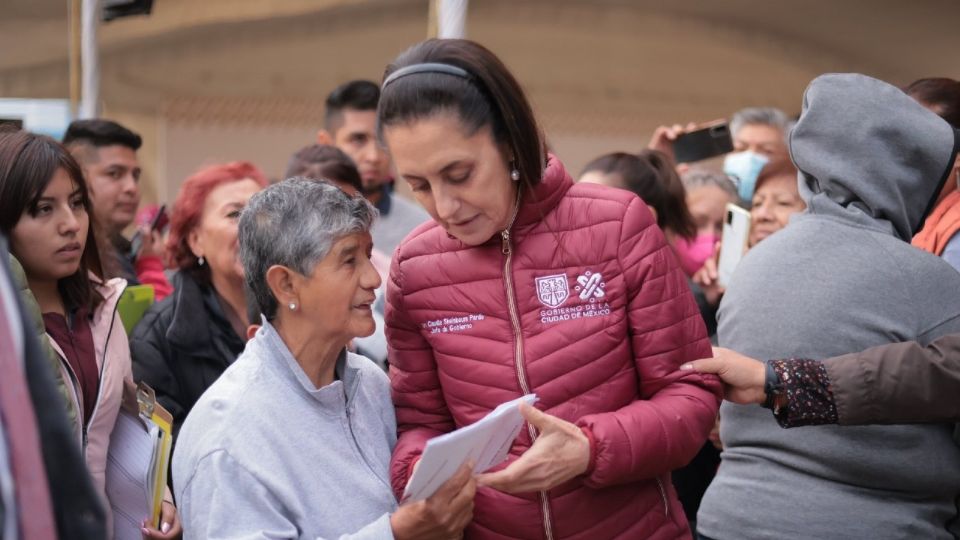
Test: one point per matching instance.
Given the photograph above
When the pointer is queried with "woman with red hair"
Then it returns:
(187, 340)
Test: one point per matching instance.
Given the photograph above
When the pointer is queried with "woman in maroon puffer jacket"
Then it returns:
(526, 283)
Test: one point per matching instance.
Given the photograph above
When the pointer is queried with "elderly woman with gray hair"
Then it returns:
(294, 439)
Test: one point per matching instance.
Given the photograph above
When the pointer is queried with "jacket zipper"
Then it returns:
(663, 495)
(347, 408)
(103, 366)
(518, 357)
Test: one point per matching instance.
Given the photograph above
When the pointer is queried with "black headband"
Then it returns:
(429, 67)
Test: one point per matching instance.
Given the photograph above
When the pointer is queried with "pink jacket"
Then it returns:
(583, 304)
(113, 359)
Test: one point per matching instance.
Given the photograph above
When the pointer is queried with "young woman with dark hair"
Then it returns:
(526, 283)
(45, 211)
(652, 177)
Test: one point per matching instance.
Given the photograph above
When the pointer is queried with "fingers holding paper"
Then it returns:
(443, 515)
(561, 452)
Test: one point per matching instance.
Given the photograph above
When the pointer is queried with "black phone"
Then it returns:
(161, 220)
(159, 223)
(707, 142)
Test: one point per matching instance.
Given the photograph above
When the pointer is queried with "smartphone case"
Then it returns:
(736, 232)
(705, 143)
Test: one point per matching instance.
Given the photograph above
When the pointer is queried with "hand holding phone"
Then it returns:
(705, 142)
(736, 231)
(160, 220)
(149, 240)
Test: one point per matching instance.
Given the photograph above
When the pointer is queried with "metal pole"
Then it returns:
(73, 8)
(452, 19)
(432, 19)
(90, 62)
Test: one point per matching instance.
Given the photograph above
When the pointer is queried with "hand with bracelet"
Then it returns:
(798, 391)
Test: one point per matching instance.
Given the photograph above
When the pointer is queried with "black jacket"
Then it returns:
(182, 345)
(122, 261)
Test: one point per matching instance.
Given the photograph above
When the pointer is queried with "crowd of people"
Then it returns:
(311, 335)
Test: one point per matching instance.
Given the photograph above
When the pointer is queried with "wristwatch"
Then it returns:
(773, 388)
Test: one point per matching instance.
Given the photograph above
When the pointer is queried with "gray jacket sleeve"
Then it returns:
(222, 500)
(900, 383)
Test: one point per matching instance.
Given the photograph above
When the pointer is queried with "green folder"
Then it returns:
(133, 304)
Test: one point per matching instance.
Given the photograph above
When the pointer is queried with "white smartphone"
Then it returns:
(736, 231)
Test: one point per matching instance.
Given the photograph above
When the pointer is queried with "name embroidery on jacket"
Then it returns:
(449, 325)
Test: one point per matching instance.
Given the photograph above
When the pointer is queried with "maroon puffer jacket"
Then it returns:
(585, 305)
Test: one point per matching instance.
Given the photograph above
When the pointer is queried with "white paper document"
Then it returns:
(485, 442)
(131, 473)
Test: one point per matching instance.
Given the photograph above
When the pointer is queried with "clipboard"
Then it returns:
(147, 407)
(138, 460)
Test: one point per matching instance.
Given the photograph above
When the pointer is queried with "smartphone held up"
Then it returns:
(159, 223)
(705, 142)
(736, 232)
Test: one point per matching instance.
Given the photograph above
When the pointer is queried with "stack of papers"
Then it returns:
(486, 442)
(137, 462)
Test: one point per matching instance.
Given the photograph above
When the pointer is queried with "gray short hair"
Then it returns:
(765, 116)
(698, 177)
(294, 223)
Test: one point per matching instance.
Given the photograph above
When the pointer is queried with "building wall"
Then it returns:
(230, 79)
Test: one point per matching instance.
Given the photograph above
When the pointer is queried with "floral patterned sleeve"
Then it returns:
(809, 398)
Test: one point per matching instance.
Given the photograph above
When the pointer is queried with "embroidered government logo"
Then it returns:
(552, 291)
(591, 286)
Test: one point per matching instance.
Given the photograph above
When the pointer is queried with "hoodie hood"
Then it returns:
(870, 154)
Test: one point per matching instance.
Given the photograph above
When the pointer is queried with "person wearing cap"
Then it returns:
(843, 277)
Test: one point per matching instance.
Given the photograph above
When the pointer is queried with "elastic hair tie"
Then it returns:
(429, 67)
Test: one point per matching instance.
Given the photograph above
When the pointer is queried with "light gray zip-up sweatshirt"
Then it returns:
(265, 454)
(842, 277)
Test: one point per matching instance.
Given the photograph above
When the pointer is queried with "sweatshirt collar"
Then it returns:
(333, 397)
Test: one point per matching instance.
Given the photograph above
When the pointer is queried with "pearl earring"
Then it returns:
(515, 175)
(293, 307)
(200, 261)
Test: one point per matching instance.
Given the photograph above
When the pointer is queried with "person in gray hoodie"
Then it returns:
(842, 277)
(294, 439)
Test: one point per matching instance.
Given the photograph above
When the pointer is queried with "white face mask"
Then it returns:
(744, 168)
